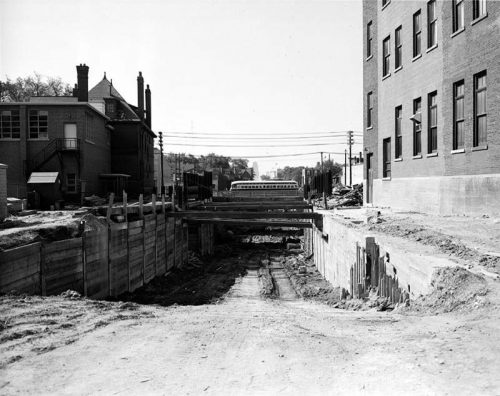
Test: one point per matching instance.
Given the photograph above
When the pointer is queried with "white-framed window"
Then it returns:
(9, 124)
(39, 124)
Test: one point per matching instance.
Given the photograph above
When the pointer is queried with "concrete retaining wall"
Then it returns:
(474, 195)
(337, 248)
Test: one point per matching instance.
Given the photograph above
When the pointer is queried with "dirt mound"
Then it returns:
(445, 243)
(455, 289)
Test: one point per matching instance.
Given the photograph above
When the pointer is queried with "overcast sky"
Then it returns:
(234, 67)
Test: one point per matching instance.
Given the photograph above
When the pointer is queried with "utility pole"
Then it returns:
(323, 187)
(350, 142)
(345, 167)
(161, 158)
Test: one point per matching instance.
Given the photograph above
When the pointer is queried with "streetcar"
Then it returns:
(263, 188)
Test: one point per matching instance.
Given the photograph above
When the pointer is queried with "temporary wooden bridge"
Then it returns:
(266, 212)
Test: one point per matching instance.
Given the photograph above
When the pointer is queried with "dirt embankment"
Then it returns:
(425, 231)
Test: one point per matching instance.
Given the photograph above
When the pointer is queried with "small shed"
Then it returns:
(44, 190)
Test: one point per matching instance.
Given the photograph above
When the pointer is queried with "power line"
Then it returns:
(250, 145)
(259, 138)
(289, 155)
(295, 134)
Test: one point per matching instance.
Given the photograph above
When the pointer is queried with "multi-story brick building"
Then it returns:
(94, 140)
(432, 105)
(131, 138)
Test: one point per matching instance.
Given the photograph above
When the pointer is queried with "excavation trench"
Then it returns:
(250, 266)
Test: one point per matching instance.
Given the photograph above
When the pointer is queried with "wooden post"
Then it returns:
(110, 206)
(84, 259)
(141, 206)
(163, 203)
(153, 199)
(125, 205)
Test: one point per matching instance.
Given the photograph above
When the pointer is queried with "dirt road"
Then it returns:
(246, 344)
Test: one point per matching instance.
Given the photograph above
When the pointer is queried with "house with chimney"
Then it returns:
(66, 148)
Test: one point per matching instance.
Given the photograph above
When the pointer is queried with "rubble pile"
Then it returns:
(346, 196)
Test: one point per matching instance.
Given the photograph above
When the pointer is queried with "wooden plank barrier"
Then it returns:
(178, 243)
(62, 266)
(96, 272)
(161, 250)
(135, 237)
(149, 247)
(170, 237)
(118, 257)
(20, 269)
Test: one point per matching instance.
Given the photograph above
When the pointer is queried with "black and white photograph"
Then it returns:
(250, 197)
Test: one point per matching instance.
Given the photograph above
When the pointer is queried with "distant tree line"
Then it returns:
(210, 161)
(295, 172)
(22, 88)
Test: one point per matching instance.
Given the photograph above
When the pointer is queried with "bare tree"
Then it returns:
(22, 88)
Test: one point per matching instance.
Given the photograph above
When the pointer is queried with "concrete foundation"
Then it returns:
(338, 248)
(474, 195)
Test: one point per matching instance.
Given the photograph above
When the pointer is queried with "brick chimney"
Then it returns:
(148, 106)
(82, 72)
(140, 95)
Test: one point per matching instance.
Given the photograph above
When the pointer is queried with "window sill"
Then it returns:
(457, 32)
(479, 148)
(89, 141)
(367, 59)
(419, 156)
(458, 151)
(369, 128)
(479, 19)
(386, 179)
(398, 69)
(432, 154)
(10, 139)
(416, 57)
(386, 4)
(386, 76)
(38, 140)
(431, 48)
(398, 159)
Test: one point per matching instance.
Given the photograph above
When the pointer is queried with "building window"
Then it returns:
(110, 108)
(431, 24)
(480, 130)
(385, 2)
(478, 8)
(432, 130)
(39, 121)
(369, 39)
(387, 56)
(71, 183)
(417, 126)
(458, 15)
(398, 53)
(458, 115)
(9, 124)
(398, 136)
(369, 112)
(417, 34)
(386, 154)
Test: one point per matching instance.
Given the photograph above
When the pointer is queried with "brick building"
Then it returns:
(432, 105)
(131, 138)
(91, 151)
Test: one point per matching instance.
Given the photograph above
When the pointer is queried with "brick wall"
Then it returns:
(3, 191)
(456, 57)
(370, 73)
(465, 54)
(95, 157)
